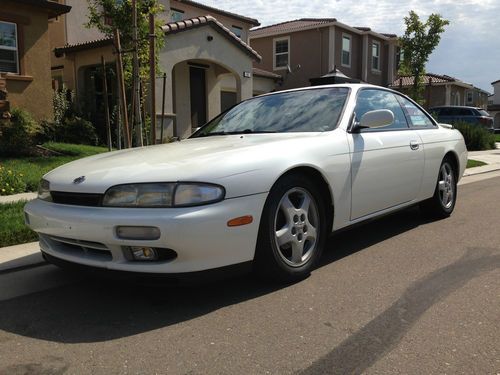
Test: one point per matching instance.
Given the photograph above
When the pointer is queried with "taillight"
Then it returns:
(485, 120)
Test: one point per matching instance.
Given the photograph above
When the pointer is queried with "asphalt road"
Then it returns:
(398, 295)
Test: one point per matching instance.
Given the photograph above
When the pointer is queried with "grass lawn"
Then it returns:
(13, 231)
(33, 168)
(497, 137)
(474, 163)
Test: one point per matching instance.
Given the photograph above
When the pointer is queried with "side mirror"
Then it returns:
(375, 119)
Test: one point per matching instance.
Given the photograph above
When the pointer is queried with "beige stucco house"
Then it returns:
(207, 60)
(494, 104)
(444, 90)
(308, 48)
(25, 53)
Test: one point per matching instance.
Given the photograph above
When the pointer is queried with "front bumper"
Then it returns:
(199, 235)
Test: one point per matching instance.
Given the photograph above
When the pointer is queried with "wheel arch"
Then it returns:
(453, 157)
(325, 188)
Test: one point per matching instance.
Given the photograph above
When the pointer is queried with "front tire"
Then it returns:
(292, 230)
(442, 203)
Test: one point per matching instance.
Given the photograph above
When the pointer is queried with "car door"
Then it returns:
(386, 163)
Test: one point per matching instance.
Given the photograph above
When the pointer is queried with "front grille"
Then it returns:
(79, 248)
(77, 199)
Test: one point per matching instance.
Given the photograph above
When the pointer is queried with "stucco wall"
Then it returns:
(354, 71)
(435, 96)
(31, 90)
(377, 77)
(309, 49)
(75, 23)
(192, 11)
(496, 93)
(219, 54)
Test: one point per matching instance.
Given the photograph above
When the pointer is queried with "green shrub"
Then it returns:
(76, 130)
(18, 135)
(70, 130)
(47, 132)
(476, 137)
(11, 182)
(62, 102)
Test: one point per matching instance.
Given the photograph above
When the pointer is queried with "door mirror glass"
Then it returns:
(376, 119)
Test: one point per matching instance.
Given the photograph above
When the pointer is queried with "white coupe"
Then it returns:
(262, 185)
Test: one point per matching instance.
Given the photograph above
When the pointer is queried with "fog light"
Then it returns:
(137, 233)
(144, 253)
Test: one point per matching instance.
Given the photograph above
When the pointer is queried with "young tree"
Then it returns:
(417, 43)
(109, 15)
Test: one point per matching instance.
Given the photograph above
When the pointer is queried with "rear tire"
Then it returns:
(442, 203)
(292, 230)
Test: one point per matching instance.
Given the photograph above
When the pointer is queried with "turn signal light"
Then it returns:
(238, 221)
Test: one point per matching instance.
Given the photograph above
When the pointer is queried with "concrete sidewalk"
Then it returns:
(17, 197)
(24, 255)
(490, 157)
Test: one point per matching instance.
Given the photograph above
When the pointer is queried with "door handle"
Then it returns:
(414, 145)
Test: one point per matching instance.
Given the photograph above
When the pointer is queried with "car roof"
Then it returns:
(455, 106)
(355, 86)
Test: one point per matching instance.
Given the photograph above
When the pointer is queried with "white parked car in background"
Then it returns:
(262, 185)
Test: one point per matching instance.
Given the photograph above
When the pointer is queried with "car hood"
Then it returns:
(208, 159)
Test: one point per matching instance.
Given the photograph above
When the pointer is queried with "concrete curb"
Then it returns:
(20, 256)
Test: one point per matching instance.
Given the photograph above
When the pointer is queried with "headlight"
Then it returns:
(44, 190)
(163, 195)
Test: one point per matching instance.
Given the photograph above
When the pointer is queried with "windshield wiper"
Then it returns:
(246, 131)
(213, 133)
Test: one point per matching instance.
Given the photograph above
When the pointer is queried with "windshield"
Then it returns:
(315, 110)
(483, 112)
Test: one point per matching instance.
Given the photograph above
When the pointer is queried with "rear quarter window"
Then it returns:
(417, 117)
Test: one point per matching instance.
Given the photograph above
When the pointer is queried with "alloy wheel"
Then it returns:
(296, 227)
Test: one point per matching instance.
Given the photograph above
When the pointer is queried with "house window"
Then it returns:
(176, 15)
(346, 50)
(9, 60)
(376, 56)
(281, 53)
(238, 31)
(469, 96)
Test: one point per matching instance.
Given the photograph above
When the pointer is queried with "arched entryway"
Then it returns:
(198, 95)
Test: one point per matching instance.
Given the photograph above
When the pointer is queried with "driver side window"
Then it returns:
(371, 100)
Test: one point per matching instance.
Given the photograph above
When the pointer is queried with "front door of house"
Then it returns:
(198, 91)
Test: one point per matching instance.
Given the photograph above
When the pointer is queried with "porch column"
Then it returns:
(447, 95)
(244, 87)
(364, 59)
(168, 120)
(390, 63)
(331, 48)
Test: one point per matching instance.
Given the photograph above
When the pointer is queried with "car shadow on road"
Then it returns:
(95, 310)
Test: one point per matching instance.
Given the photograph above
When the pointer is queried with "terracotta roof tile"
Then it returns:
(302, 24)
(249, 20)
(175, 27)
(264, 73)
(90, 44)
(290, 26)
(435, 78)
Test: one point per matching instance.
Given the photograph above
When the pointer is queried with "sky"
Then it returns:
(469, 49)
